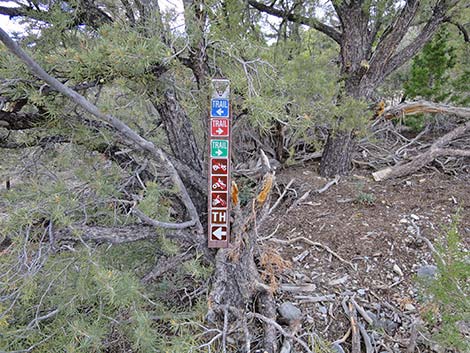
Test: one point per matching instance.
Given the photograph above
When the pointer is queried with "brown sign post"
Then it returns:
(219, 165)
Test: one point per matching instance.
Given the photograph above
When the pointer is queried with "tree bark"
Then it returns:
(179, 130)
(336, 158)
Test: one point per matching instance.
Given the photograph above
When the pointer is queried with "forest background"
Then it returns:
(103, 128)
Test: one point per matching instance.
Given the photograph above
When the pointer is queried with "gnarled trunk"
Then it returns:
(336, 158)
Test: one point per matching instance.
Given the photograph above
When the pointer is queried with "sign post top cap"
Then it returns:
(220, 88)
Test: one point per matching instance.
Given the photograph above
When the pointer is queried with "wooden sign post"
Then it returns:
(219, 165)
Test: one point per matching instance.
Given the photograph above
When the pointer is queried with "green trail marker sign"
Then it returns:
(219, 148)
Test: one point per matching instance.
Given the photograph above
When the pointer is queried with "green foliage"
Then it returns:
(446, 297)
(365, 198)
(99, 298)
(62, 191)
(153, 203)
(416, 122)
(441, 71)
(117, 52)
(429, 75)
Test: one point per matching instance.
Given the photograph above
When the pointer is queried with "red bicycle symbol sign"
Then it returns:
(219, 166)
(219, 200)
(219, 183)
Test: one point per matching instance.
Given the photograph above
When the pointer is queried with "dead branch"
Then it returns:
(281, 197)
(318, 191)
(280, 329)
(147, 146)
(313, 243)
(437, 149)
(366, 338)
(328, 185)
(166, 264)
(350, 311)
(412, 108)
(112, 235)
(167, 225)
(318, 299)
(362, 312)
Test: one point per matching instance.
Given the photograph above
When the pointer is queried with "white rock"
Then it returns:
(398, 270)
(410, 307)
(289, 312)
(301, 257)
(415, 217)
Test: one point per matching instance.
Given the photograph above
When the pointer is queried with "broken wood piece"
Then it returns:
(328, 185)
(419, 161)
(362, 312)
(344, 338)
(278, 201)
(298, 288)
(412, 108)
(301, 256)
(313, 243)
(297, 202)
(355, 331)
(366, 339)
(317, 299)
(318, 191)
(280, 329)
(338, 281)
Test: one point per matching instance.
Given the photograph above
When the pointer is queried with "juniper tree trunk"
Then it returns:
(336, 158)
(183, 145)
(354, 49)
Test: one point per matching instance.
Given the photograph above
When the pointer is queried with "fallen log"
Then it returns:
(437, 149)
(419, 107)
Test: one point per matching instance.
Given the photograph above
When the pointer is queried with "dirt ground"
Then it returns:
(369, 248)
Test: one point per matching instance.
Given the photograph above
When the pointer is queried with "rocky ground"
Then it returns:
(363, 244)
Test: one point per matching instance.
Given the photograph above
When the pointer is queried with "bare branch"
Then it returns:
(160, 224)
(462, 30)
(308, 21)
(393, 35)
(411, 108)
(112, 235)
(439, 15)
(437, 149)
(147, 146)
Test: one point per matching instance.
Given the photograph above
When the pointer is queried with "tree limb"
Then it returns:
(160, 224)
(86, 13)
(308, 21)
(117, 124)
(393, 35)
(462, 30)
(418, 107)
(113, 235)
(439, 15)
(437, 149)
